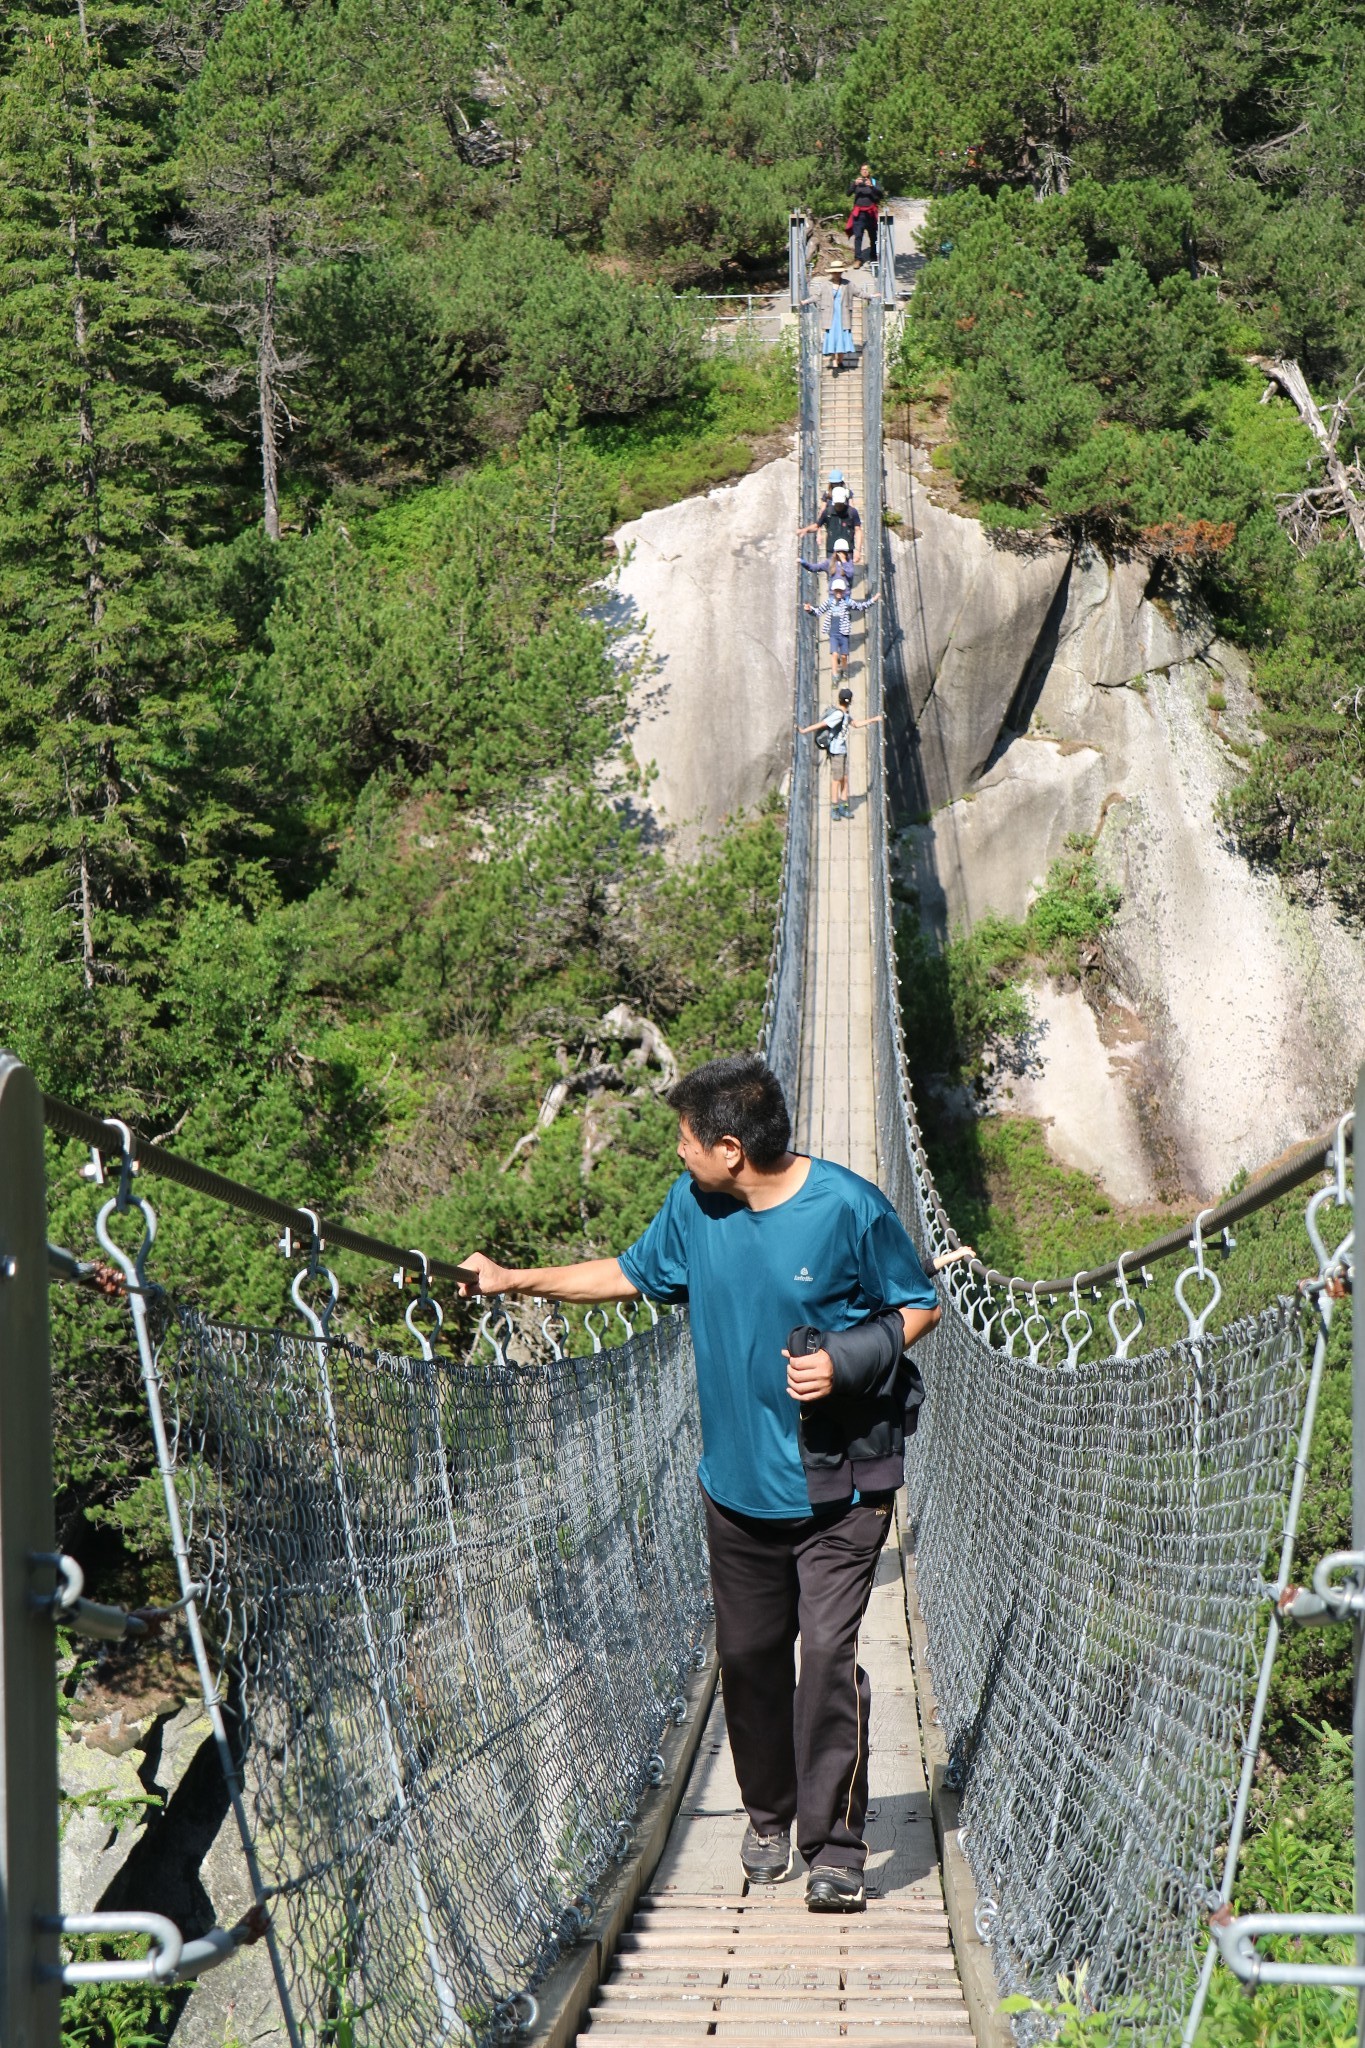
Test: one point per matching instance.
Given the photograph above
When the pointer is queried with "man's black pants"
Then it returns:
(800, 1748)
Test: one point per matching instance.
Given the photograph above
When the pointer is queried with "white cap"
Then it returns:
(841, 547)
(838, 584)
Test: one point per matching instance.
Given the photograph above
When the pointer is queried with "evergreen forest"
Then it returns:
(338, 336)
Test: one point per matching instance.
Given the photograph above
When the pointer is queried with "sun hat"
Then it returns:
(836, 476)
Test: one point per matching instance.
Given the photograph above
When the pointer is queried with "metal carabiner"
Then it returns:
(318, 1324)
(1123, 1339)
(1075, 1343)
(1198, 1271)
(1035, 1315)
(425, 1300)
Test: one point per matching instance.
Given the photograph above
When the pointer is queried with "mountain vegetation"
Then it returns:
(335, 338)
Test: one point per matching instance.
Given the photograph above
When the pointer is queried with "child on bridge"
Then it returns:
(836, 563)
(839, 723)
(839, 608)
(803, 1440)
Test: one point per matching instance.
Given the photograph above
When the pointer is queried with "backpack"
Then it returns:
(826, 733)
(838, 526)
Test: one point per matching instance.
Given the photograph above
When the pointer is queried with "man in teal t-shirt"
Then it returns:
(800, 1453)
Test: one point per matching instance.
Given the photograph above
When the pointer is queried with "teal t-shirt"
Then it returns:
(832, 1254)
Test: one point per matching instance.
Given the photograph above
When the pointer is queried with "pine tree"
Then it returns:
(253, 174)
(107, 477)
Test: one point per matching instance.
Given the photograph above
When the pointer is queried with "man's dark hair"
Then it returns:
(735, 1098)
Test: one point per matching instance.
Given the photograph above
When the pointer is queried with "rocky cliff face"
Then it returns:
(1056, 694)
(707, 596)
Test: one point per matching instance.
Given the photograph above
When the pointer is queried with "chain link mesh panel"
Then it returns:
(1090, 1545)
(455, 1610)
(1090, 1540)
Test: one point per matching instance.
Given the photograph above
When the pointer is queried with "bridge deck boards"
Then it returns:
(836, 1102)
(705, 1958)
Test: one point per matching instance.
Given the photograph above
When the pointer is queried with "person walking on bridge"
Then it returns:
(805, 1294)
(837, 563)
(866, 195)
(840, 609)
(838, 723)
(838, 516)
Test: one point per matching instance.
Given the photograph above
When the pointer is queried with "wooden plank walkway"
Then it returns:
(707, 1957)
(835, 1118)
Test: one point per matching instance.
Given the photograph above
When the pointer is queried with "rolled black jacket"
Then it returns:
(856, 1436)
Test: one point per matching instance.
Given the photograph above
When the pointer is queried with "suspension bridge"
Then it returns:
(450, 1621)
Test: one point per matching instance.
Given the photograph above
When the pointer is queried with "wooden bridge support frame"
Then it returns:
(29, 2008)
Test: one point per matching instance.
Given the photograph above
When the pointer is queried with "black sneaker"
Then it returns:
(830, 1889)
(767, 1859)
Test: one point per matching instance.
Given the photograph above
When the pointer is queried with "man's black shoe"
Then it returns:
(767, 1859)
(832, 1890)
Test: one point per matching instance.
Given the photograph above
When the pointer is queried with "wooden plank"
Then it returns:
(769, 2004)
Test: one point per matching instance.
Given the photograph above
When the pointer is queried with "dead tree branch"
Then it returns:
(1343, 477)
(649, 1049)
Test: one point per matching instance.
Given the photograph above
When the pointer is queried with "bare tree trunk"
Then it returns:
(267, 369)
(86, 893)
(1291, 380)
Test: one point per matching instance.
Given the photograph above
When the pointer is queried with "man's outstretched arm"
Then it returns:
(589, 1280)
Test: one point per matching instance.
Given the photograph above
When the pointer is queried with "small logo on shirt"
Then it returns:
(803, 1275)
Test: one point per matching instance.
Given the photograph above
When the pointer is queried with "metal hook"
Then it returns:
(1328, 1261)
(1123, 1339)
(1035, 1315)
(1198, 1271)
(627, 1322)
(555, 1328)
(133, 1269)
(594, 1331)
(1336, 1158)
(1011, 1318)
(495, 1325)
(1075, 1344)
(127, 1163)
(425, 1300)
(318, 1324)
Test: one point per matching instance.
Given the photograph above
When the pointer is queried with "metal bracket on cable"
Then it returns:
(1328, 1602)
(173, 1961)
(1236, 1938)
(68, 1606)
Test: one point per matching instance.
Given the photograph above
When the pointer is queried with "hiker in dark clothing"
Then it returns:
(804, 1294)
(866, 194)
(838, 518)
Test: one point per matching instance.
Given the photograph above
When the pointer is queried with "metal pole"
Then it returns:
(1358, 1545)
(29, 2009)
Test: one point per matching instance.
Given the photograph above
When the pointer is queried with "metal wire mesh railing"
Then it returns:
(1091, 1534)
(453, 1609)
